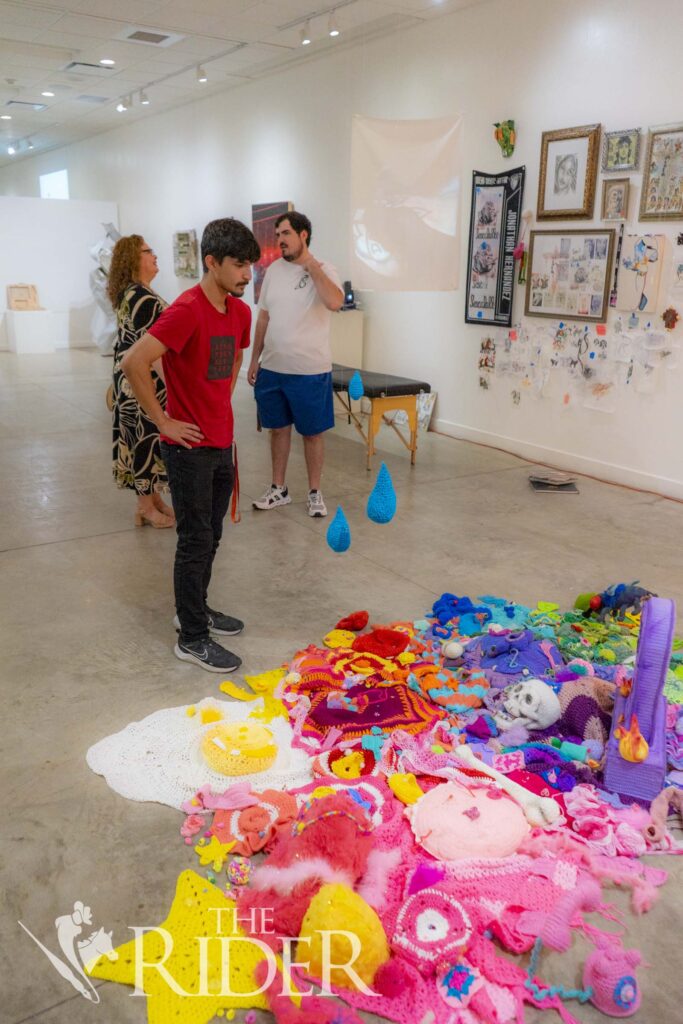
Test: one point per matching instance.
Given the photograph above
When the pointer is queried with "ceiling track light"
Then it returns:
(144, 98)
(332, 27)
(202, 75)
(306, 34)
(107, 62)
(11, 150)
(123, 104)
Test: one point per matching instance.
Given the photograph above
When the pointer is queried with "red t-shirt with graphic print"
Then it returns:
(198, 365)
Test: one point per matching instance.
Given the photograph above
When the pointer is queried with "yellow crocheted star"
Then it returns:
(213, 853)
(169, 968)
(406, 658)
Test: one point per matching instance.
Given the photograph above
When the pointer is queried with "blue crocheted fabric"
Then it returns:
(356, 389)
(381, 506)
(338, 532)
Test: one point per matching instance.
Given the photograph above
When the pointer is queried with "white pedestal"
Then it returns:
(35, 331)
(346, 338)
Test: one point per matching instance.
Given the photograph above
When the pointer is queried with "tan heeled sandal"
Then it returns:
(155, 518)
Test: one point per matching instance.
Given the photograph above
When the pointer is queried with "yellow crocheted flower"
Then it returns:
(339, 638)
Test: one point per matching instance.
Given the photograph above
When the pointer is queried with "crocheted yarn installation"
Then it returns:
(198, 909)
(339, 532)
(356, 389)
(381, 507)
(160, 758)
(429, 797)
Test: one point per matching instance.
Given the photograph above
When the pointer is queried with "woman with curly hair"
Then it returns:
(137, 457)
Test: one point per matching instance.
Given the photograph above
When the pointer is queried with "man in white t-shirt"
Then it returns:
(291, 365)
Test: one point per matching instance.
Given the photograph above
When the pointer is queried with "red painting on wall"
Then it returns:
(263, 217)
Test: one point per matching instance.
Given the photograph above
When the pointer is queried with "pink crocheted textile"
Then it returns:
(255, 828)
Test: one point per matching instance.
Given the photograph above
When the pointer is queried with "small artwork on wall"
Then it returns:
(621, 150)
(640, 268)
(662, 195)
(185, 258)
(569, 164)
(569, 273)
(263, 217)
(615, 198)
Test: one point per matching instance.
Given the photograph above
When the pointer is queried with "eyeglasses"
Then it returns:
(150, 251)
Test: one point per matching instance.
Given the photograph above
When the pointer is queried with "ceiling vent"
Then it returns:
(81, 68)
(148, 36)
(92, 99)
(25, 105)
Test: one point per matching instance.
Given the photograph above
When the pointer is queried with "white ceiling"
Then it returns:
(234, 40)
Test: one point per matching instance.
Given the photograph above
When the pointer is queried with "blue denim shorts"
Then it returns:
(300, 398)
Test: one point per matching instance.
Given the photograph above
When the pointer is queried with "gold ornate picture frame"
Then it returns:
(615, 192)
(569, 273)
(661, 197)
(568, 173)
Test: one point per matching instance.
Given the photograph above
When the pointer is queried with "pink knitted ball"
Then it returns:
(454, 823)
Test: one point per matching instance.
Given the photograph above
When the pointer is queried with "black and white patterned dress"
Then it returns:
(137, 461)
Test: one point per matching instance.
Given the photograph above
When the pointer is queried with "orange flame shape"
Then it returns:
(632, 744)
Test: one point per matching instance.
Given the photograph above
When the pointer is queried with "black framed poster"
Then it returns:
(494, 226)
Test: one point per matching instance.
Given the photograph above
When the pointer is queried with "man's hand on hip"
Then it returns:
(184, 434)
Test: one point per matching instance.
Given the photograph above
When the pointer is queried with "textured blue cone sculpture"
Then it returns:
(382, 501)
(338, 532)
(356, 389)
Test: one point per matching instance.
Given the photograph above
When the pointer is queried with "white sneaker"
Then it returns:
(273, 497)
(316, 506)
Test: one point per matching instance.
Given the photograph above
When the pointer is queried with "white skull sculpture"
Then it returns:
(531, 703)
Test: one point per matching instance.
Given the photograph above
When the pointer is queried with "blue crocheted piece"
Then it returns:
(356, 389)
(338, 532)
(382, 501)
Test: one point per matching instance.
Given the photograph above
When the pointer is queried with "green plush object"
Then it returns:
(583, 602)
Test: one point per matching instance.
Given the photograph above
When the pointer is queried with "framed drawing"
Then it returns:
(621, 150)
(569, 273)
(615, 198)
(494, 224)
(569, 165)
(640, 268)
(263, 217)
(662, 195)
(185, 257)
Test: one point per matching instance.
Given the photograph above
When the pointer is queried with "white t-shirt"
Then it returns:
(298, 334)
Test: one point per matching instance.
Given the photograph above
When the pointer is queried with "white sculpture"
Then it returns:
(103, 323)
(531, 703)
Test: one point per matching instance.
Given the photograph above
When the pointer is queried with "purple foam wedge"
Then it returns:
(644, 779)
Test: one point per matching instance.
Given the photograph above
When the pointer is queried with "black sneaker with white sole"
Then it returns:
(220, 624)
(208, 655)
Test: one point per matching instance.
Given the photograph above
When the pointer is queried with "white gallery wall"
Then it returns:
(545, 63)
(47, 242)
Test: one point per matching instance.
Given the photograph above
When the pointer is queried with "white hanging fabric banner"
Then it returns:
(405, 204)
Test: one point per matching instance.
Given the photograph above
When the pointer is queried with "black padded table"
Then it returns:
(385, 394)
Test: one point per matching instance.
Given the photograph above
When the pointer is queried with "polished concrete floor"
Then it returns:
(85, 619)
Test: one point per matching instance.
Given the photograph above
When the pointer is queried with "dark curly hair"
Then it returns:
(228, 237)
(298, 221)
(125, 266)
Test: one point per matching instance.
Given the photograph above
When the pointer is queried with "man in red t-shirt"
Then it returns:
(200, 340)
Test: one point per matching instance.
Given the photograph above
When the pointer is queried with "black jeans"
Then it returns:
(201, 482)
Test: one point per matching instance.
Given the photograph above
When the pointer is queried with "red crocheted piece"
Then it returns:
(387, 643)
(354, 622)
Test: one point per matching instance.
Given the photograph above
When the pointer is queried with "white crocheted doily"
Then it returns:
(160, 758)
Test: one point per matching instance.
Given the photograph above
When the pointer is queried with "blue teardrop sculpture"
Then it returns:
(356, 389)
(338, 532)
(382, 501)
